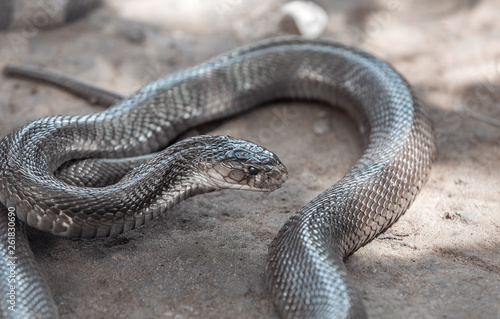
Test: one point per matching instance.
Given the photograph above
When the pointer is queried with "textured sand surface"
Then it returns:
(206, 257)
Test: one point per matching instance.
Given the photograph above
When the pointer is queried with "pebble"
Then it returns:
(305, 18)
(135, 36)
(322, 124)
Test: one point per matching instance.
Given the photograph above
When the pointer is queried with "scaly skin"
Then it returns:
(305, 271)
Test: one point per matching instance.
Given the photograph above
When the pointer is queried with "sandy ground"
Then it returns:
(206, 257)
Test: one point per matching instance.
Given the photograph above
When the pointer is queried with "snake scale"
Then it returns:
(305, 271)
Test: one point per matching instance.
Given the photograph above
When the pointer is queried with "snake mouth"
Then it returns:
(272, 180)
(265, 182)
(263, 175)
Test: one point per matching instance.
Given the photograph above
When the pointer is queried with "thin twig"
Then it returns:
(476, 115)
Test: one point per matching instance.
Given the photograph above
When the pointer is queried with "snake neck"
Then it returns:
(169, 177)
(147, 191)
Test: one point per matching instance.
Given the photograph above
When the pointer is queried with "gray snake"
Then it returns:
(32, 15)
(305, 271)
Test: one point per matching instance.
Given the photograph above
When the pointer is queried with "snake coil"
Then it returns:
(305, 270)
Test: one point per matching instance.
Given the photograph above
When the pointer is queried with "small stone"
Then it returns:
(467, 217)
(451, 215)
(470, 217)
(321, 126)
(136, 36)
(304, 18)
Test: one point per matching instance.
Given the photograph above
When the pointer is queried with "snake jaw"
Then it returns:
(240, 164)
(272, 179)
(267, 179)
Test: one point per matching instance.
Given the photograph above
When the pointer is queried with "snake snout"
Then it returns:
(275, 178)
(248, 176)
(241, 164)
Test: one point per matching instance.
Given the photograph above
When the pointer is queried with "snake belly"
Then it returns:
(305, 270)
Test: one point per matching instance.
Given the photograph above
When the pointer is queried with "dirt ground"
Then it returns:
(206, 257)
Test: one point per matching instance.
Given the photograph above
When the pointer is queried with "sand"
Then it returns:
(206, 257)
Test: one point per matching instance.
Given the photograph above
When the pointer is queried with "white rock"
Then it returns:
(309, 18)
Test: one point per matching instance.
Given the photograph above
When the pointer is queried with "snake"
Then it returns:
(31, 15)
(305, 271)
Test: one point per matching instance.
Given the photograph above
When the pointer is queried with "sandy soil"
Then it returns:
(206, 257)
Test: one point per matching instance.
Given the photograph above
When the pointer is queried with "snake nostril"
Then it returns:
(275, 174)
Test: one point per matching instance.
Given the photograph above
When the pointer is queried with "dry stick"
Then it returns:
(476, 115)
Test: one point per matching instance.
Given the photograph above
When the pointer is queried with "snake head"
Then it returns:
(240, 164)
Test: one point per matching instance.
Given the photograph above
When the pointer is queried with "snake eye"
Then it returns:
(253, 171)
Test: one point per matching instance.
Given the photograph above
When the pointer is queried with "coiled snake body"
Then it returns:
(305, 271)
(32, 15)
